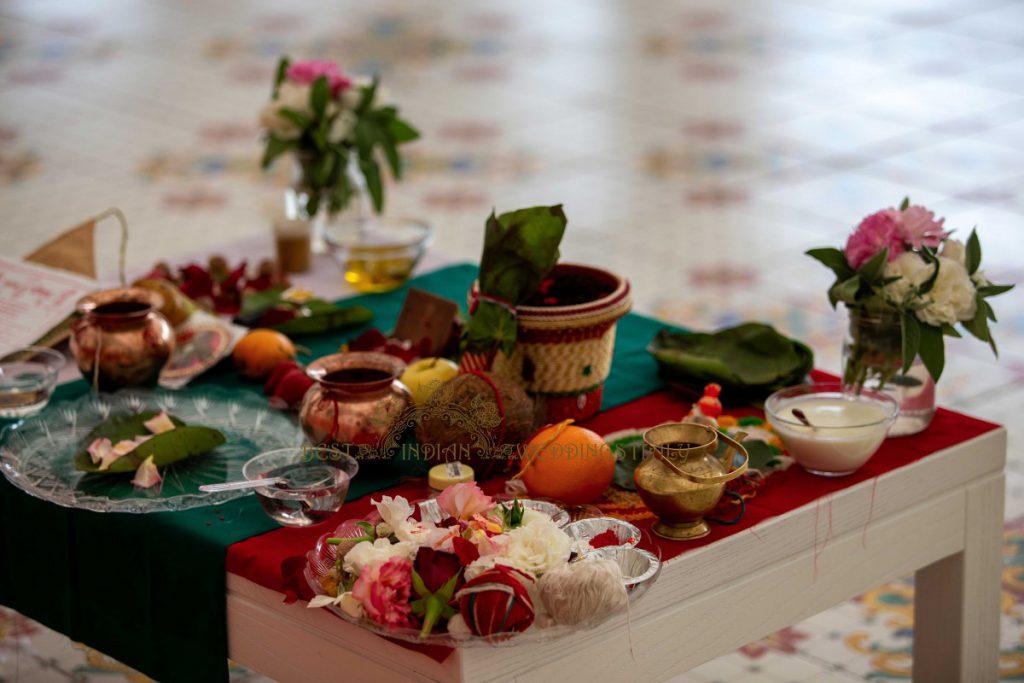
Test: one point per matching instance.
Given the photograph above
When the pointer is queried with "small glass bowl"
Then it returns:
(320, 479)
(27, 379)
(377, 255)
(848, 426)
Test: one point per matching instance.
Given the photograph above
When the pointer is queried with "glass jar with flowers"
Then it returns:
(336, 133)
(907, 284)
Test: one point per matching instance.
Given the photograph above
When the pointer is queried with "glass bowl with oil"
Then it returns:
(377, 254)
(27, 379)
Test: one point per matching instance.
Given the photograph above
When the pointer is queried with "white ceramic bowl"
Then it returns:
(847, 426)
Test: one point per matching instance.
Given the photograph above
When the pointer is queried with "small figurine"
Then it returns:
(708, 408)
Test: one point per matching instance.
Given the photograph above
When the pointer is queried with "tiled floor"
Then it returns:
(698, 146)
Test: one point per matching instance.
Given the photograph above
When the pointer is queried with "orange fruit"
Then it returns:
(568, 463)
(258, 352)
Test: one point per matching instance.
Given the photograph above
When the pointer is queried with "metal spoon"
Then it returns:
(241, 485)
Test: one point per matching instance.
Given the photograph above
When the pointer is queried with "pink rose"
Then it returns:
(918, 228)
(463, 501)
(312, 69)
(383, 589)
(875, 233)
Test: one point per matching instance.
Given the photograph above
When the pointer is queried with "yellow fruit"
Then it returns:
(258, 352)
(426, 376)
(567, 463)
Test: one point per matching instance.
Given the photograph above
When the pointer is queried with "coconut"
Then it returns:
(478, 419)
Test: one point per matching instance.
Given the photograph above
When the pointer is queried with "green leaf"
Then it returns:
(323, 169)
(972, 253)
(978, 325)
(950, 331)
(927, 285)
(332, 318)
(275, 147)
(871, 270)
(834, 260)
(312, 204)
(279, 75)
(905, 204)
(369, 93)
(295, 117)
(184, 441)
(845, 291)
(911, 334)
(419, 586)
(391, 154)
(989, 312)
(256, 302)
(932, 351)
(994, 290)
(371, 171)
(400, 131)
(319, 96)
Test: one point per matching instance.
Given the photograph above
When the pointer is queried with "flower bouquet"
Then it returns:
(907, 284)
(465, 569)
(337, 132)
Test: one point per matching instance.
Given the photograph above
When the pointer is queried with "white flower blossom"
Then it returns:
(365, 553)
(290, 95)
(537, 546)
(912, 271)
(342, 127)
(952, 299)
(954, 250)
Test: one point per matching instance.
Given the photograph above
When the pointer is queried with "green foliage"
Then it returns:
(520, 249)
(377, 134)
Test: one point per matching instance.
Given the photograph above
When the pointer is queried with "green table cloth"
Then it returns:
(149, 590)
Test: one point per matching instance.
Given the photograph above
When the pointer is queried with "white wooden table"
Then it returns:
(940, 518)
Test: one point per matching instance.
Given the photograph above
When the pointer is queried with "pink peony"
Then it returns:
(918, 228)
(312, 69)
(384, 589)
(463, 501)
(875, 233)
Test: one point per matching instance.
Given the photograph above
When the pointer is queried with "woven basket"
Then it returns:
(563, 354)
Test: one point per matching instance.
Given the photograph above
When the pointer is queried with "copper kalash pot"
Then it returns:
(121, 340)
(683, 477)
(356, 401)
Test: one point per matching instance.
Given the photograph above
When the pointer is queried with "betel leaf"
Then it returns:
(931, 350)
(748, 355)
(325, 317)
(972, 253)
(910, 330)
(520, 249)
(184, 441)
(834, 260)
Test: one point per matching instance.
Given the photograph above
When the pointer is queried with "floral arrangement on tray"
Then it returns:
(328, 120)
(902, 264)
(465, 568)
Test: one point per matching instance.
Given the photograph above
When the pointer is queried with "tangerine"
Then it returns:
(568, 463)
(259, 351)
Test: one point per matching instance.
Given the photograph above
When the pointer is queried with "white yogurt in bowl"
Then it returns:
(846, 427)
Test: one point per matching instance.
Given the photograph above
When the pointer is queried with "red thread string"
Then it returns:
(871, 512)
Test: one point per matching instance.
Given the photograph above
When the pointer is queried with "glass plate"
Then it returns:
(320, 560)
(38, 452)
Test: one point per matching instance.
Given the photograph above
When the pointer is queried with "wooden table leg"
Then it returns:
(957, 600)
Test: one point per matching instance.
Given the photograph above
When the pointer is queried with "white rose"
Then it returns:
(912, 271)
(364, 554)
(538, 546)
(342, 127)
(289, 96)
(952, 298)
(954, 250)
(531, 516)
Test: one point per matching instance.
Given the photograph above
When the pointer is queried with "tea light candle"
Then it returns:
(846, 429)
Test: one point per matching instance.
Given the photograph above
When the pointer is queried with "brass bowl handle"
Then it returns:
(734, 447)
